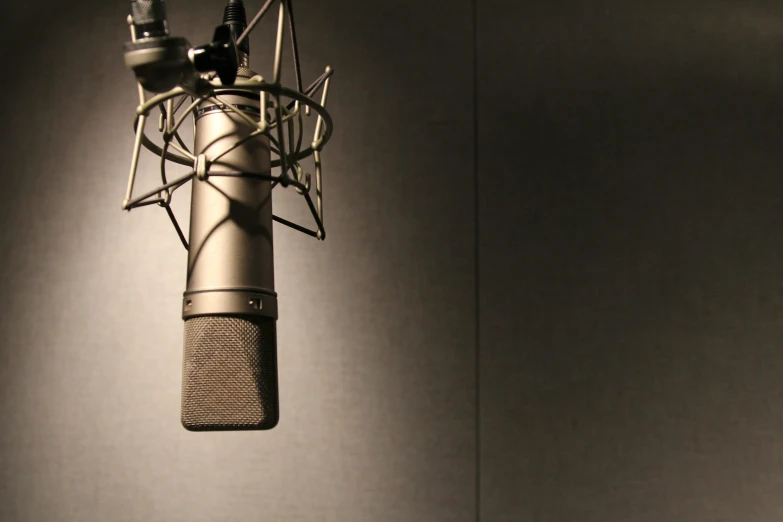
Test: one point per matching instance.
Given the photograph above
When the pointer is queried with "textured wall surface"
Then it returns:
(376, 331)
(629, 273)
(631, 260)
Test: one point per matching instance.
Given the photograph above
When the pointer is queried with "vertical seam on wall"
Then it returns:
(474, 6)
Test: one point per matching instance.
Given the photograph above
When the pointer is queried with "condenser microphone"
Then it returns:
(229, 379)
(229, 307)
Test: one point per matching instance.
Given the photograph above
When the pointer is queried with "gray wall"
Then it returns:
(377, 333)
(620, 274)
(631, 260)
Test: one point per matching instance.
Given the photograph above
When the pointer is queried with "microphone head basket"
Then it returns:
(282, 113)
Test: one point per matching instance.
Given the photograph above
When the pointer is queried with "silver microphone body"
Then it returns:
(230, 304)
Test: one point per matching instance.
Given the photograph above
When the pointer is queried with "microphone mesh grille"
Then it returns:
(229, 377)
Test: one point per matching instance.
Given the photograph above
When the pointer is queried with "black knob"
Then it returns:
(220, 55)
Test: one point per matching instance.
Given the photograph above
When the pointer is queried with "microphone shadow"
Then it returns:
(246, 217)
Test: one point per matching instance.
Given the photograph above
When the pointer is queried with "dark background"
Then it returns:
(551, 290)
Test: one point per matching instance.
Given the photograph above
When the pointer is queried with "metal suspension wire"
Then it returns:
(282, 123)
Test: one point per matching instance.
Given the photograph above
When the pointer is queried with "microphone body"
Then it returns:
(230, 304)
(229, 307)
